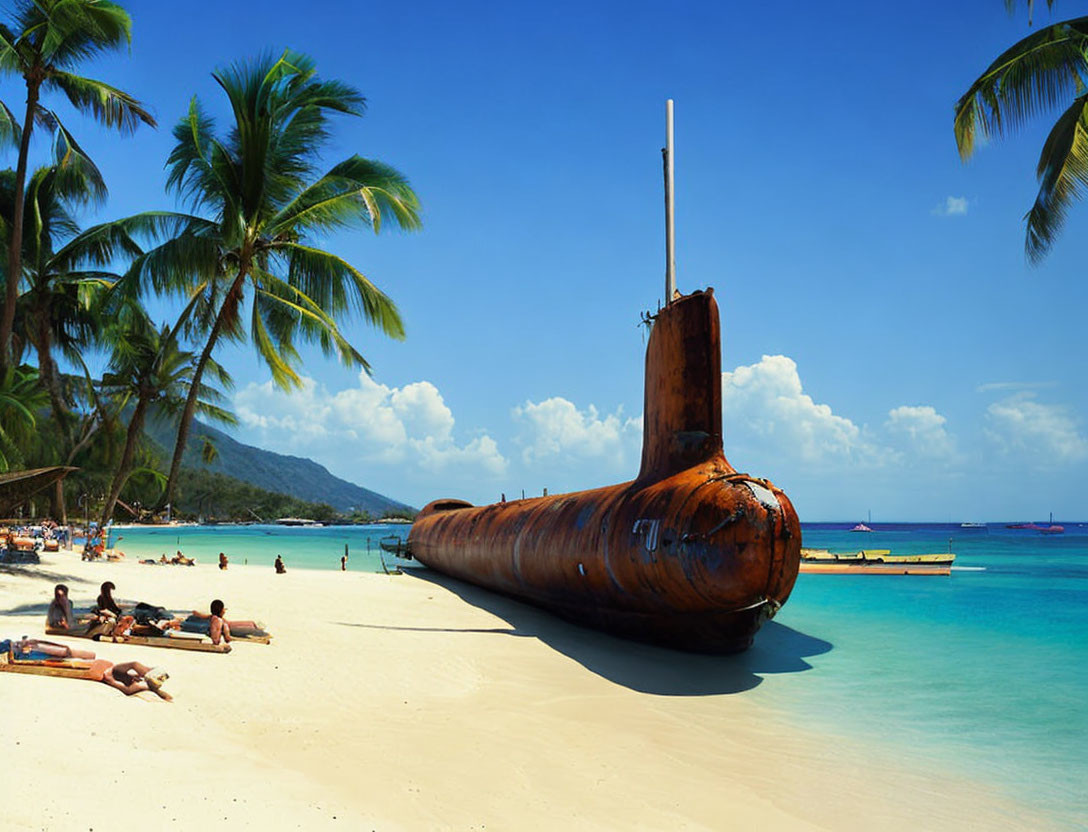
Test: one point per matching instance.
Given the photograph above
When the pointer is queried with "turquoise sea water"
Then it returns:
(300, 547)
(983, 674)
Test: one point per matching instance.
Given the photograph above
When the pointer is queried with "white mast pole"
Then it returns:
(670, 238)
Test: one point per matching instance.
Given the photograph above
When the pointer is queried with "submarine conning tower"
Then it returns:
(682, 410)
(691, 554)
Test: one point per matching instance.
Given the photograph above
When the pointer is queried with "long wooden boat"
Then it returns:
(875, 562)
(691, 554)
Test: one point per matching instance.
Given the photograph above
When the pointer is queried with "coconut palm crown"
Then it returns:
(248, 252)
(1045, 72)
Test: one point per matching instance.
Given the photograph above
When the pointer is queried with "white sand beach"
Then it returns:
(415, 703)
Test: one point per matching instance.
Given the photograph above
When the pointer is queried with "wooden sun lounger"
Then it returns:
(181, 641)
(66, 668)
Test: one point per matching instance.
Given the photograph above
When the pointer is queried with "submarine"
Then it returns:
(691, 554)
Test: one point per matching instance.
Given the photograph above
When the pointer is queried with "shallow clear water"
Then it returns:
(983, 674)
(301, 547)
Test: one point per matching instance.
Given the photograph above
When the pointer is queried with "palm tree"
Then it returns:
(54, 311)
(151, 372)
(257, 207)
(1045, 71)
(47, 40)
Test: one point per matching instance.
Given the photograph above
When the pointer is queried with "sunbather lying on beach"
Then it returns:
(130, 677)
(50, 648)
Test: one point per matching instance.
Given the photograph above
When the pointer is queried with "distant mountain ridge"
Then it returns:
(294, 475)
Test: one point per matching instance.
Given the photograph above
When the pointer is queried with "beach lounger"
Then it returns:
(42, 664)
(173, 639)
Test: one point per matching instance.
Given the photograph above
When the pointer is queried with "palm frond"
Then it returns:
(356, 191)
(1063, 178)
(78, 173)
(10, 131)
(276, 356)
(1036, 75)
(109, 105)
(327, 278)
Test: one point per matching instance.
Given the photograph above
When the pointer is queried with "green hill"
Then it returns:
(293, 475)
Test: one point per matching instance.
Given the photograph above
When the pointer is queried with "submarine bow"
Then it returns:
(691, 554)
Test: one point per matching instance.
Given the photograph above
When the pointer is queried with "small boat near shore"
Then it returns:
(861, 527)
(298, 521)
(875, 562)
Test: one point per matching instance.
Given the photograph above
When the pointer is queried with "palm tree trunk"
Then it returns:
(59, 511)
(189, 413)
(15, 245)
(135, 428)
(47, 371)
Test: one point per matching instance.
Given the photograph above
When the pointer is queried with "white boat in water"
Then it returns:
(297, 521)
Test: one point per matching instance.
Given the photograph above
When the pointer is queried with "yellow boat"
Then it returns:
(875, 562)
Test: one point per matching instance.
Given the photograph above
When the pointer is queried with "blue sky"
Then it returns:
(887, 347)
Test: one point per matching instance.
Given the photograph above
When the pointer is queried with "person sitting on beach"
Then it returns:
(180, 560)
(280, 568)
(105, 605)
(164, 559)
(244, 624)
(59, 615)
(222, 561)
(219, 629)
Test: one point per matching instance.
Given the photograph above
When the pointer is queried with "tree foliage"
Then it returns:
(1044, 73)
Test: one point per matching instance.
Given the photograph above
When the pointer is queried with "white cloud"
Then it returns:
(765, 406)
(920, 431)
(409, 428)
(953, 206)
(992, 386)
(1045, 433)
(556, 429)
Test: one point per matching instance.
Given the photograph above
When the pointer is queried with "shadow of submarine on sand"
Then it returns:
(640, 667)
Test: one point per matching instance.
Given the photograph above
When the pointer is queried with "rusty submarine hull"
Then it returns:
(690, 555)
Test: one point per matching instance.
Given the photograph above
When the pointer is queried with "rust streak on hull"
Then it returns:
(691, 554)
